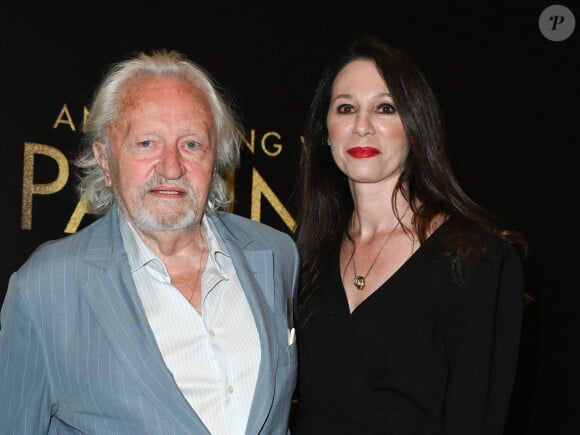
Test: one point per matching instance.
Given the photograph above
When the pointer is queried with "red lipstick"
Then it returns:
(363, 152)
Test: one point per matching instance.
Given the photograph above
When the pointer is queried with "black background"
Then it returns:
(509, 96)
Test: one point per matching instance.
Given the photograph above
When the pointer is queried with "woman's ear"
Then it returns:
(102, 159)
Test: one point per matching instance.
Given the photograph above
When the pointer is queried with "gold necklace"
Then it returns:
(359, 281)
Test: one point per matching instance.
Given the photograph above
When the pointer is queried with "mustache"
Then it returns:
(159, 180)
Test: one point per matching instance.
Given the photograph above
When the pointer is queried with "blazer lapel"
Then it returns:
(114, 301)
(255, 272)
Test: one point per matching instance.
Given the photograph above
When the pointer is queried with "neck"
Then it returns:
(169, 243)
(366, 226)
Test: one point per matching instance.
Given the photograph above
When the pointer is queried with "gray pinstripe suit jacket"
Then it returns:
(77, 354)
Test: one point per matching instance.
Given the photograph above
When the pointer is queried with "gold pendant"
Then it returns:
(359, 282)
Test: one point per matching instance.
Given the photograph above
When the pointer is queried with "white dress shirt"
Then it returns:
(214, 356)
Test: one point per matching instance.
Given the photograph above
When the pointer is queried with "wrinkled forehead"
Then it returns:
(147, 88)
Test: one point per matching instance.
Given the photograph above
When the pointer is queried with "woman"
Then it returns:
(411, 294)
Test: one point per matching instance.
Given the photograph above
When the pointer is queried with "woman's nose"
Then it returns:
(363, 125)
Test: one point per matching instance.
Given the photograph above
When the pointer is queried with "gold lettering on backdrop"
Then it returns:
(250, 143)
(269, 143)
(64, 118)
(277, 146)
(86, 113)
(79, 213)
(259, 188)
(28, 186)
(230, 178)
(272, 152)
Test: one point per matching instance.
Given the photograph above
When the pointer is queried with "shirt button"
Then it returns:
(230, 389)
(212, 333)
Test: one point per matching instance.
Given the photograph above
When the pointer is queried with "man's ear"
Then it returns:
(103, 161)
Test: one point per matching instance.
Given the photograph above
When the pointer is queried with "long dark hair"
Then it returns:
(326, 205)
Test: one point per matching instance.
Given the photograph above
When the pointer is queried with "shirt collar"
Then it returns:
(139, 254)
(215, 245)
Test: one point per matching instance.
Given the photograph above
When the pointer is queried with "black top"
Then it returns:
(421, 355)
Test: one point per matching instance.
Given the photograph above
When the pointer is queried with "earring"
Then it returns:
(328, 142)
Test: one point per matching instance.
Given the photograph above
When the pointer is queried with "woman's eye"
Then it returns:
(387, 108)
(345, 108)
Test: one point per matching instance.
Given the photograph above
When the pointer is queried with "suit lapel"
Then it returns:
(113, 299)
(255, 272)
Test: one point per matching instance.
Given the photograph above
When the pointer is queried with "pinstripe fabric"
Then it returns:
(214, 356)
(77, 354)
